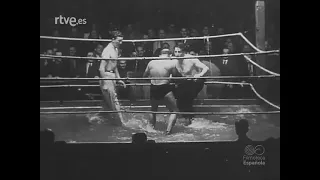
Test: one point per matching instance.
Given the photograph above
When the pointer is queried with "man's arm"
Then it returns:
(147, 71)
(202, 66)
(102, 68)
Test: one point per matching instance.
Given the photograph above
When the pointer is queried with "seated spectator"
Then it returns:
(172, 31)
(218, 43)
(90, 69)
(72, 64)
(158, 44)
(98, 51)
(195, 44)
(184, 33)
(57, 67)
(44, 64)
(151, 34)
(207, 49)
(139, 65)
(147, 46)
(127, 92)
(242, 128)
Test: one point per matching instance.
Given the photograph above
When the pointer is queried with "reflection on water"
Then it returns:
(96, 128)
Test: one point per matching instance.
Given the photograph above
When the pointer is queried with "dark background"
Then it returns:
(233, 15)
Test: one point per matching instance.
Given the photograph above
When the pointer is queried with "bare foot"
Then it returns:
(150, 128)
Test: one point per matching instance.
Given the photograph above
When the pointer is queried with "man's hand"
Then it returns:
(122, 83)
(197, 75)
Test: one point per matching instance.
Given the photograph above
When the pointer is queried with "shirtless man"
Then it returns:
(108, 69)
(187, 90)
(162, 89)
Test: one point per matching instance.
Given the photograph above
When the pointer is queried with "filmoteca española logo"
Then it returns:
(254, 155)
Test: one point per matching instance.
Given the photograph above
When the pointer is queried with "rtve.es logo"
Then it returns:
(72, 21)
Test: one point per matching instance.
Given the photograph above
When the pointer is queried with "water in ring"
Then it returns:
(95, 127)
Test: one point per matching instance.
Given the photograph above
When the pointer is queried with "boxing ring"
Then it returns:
(83, 121)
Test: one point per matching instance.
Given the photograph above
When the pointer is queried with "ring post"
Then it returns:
(260, 33)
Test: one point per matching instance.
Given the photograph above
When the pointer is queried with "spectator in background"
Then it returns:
(139, 65)
(158, 44)
(242, 128)
(195, 44)
(90, 69)
(219, 43)
(151, 34)
(147, 46)
(172, 31)
(44, 64)
(125, 92)
(57, 67)
(98, 51)
(72, 63)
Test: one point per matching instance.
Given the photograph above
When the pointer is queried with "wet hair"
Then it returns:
(165, 44)
(182, 47)
(115, 34)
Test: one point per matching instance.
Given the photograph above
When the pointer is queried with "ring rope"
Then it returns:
(166, 78)
(141, 40)
(161, 106)
(137, 84)
(265, 100)
(262, 68)
(151, 40)
(250, 44)
(153, 112)
(46, 56)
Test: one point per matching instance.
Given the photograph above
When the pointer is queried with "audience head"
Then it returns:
(220, 31)
(55, 33)
(49, 52)
(225, 51)
(117, 38)
(171, 28)
(193, 53)
(162, 34)
(58, 53)
(122, 64)
(90, 54)
(246, 48)
(72, 51)
(165, 46)
(140, 51)
(231, 47)
(184, 32)
(139, 138)
(194, 33)
(242, 127)
(98, 50)
(151, 33)
(94, 35)
(205, 31)
(208, 46)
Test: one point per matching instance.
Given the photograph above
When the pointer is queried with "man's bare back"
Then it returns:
(159, 69)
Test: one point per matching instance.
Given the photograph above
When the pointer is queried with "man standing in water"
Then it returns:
(108, 69)
(188, 89)
(161, 89)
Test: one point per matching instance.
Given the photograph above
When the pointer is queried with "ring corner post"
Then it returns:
(260, 33)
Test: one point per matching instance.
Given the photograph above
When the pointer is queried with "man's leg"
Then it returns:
(170, 102)
(112, 102)
(153, 117)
